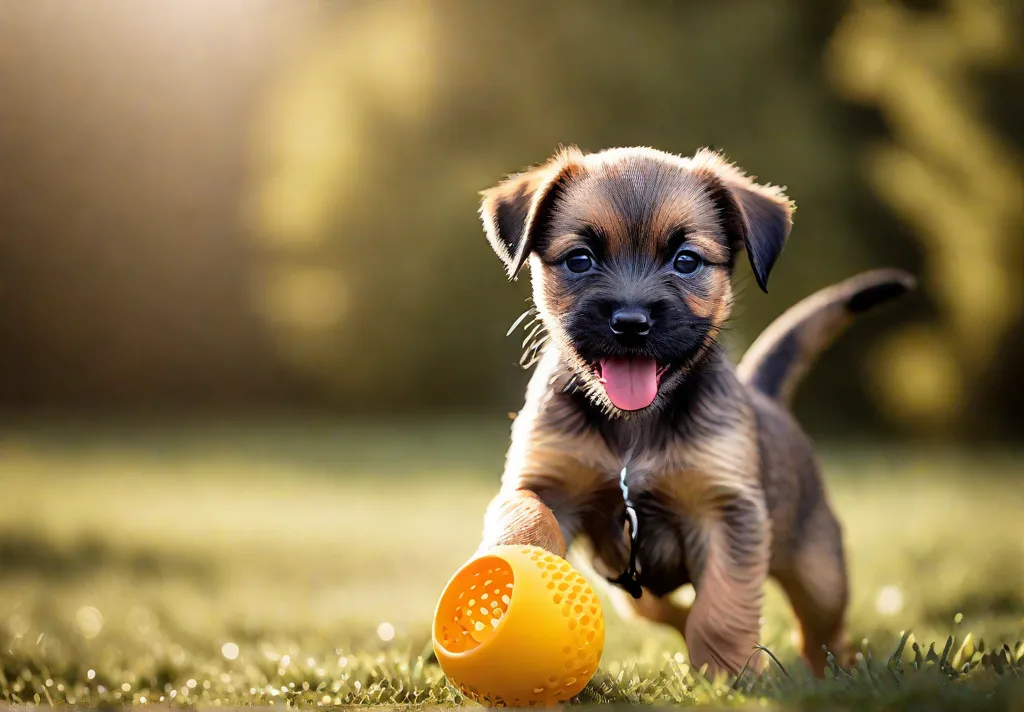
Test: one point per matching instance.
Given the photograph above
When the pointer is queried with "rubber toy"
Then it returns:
(517, 626)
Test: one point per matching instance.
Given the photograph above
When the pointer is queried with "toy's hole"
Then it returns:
(461, 625)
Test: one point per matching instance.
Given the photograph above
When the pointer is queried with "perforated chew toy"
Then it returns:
(518, 626)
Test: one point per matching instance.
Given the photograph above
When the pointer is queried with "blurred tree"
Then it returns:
(356, 137)
(946, 171)
(378, 139)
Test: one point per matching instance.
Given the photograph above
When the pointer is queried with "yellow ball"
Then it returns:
(518, 626)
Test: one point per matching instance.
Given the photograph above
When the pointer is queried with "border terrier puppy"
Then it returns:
(631, 251)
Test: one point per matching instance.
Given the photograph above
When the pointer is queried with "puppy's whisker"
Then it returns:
(533, 340)
(532, 353)
(519, 320)
(534, 332)
(571, 386)
(539, 343)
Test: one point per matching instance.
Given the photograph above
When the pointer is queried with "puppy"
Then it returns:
(631, 251)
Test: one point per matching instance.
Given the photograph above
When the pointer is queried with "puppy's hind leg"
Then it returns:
(815, 581)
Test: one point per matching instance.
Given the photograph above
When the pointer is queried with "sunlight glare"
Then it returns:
(889, 601)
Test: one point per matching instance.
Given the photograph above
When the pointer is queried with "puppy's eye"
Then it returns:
(579, 262)
(687, 262)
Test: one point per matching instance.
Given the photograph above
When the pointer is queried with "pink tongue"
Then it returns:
(631, 383)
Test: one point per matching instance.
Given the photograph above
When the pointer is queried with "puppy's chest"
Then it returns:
(668, 549)
(668, 496)
(672, 491)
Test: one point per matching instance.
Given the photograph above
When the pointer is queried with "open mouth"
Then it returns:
(630, 382)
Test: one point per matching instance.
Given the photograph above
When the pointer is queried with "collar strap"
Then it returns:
(629, 579)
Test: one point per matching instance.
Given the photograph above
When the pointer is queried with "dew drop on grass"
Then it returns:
(889, 600)
(88, 622)
(385, 631)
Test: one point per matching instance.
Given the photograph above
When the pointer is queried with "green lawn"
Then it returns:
(300, 564)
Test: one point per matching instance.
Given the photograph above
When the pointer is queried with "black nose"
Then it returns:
(631, 321)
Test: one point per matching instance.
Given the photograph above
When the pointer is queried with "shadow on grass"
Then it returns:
(30, 554)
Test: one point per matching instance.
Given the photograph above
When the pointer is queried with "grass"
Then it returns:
(300, 563)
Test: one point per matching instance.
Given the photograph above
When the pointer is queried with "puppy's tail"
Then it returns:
(780, 357)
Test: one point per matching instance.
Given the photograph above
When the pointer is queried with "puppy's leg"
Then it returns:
(518, 516)
(724, 621)
(653, 608)
(816, 584)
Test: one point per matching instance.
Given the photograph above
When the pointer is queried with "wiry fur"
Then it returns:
(723, 478)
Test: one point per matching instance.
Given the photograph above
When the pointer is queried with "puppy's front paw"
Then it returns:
(522, 518)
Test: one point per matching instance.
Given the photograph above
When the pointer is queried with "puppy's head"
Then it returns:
(631, 252)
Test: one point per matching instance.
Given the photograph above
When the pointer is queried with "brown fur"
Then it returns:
(723, 479)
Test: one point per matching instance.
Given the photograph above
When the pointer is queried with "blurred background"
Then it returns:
(244, 289)
(249, 206)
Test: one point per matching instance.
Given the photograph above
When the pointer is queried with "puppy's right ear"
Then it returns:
(517, 210)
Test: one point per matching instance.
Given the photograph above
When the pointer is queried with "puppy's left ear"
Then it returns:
(758, 217)
(516, 211)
